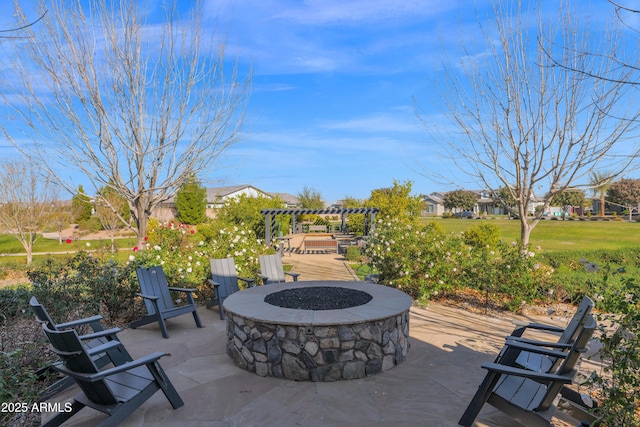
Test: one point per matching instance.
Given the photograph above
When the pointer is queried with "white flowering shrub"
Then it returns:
(184, 251)
(420, 260)
(426, 262)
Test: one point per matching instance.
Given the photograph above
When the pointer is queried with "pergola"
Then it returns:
(270, 217)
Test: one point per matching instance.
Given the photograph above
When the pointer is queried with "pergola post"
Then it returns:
(267, 228)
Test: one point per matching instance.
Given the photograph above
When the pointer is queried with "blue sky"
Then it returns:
(336, 87)
(334, 84)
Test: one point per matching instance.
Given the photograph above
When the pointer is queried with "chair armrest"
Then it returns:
(213, 283)
(522, 326)
(153, 357)
(186, 290)
(540, 343)
(536, 376)
(249, 282)
(79, 322)
(151, 297)
(532, 348)
(101, 334)
(264, 278)
(102, 348)
(294, 275)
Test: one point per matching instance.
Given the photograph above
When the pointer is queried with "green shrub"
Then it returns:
(352, 253)
(619, 381)
(482, 235)
(14, 302)
(83, 285)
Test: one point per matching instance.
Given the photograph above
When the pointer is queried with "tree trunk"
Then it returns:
(602, 204)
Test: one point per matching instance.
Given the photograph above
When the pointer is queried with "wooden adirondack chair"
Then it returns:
(116, 391)
(155, 291)
(527, 396)
(115, 354)
(272, 271)
(224, 280)
(541, 363)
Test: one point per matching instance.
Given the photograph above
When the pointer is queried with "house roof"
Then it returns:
(434, 197)
(215, 193)
(289, 199)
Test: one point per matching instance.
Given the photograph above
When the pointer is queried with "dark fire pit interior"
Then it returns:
(318, 298)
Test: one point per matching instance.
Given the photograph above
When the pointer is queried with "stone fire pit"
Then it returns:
(318, 330)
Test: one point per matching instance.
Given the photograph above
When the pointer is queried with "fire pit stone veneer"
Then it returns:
(318, 344)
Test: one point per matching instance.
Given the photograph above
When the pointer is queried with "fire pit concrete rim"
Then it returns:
(385, 302)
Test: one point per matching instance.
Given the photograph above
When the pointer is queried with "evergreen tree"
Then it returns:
(81, 206)
(191, 202)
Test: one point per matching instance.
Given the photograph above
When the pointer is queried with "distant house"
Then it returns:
(433, 204)
(485, 205)
(217, 196)
(290, 200)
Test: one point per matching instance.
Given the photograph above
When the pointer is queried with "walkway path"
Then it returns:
(317, 266)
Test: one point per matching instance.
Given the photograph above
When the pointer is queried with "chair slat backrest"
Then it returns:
(271, 266)
(223, 271)
(573, 356)
(42, 315)
(74, 356)
(153, 282)
(575, 325)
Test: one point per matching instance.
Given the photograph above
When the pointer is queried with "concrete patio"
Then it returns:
(431, 388)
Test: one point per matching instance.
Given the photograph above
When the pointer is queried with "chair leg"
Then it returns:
(165, 385)
(163, 327)
(63, 416)
(479, 399)
(196, 316)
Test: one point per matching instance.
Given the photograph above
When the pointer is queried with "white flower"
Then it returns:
(132, 257)
(189, 270)
(88, 244)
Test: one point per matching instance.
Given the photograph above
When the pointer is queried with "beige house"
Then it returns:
(217, 196)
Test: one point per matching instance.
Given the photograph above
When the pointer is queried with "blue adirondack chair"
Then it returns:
(157, 298)
(224, 279)
(272, 271)
(527, 396)
(116, 391)
(566, 337)
(97, 337)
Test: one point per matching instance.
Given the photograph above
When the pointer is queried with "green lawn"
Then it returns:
(561, 235)
(9, 245)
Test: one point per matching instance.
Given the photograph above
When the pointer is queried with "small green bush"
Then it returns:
(352, 254)
(14, 302)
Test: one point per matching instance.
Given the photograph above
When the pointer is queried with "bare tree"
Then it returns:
(530, 126)
(130, 103)
(109, 206)
(26, 203)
